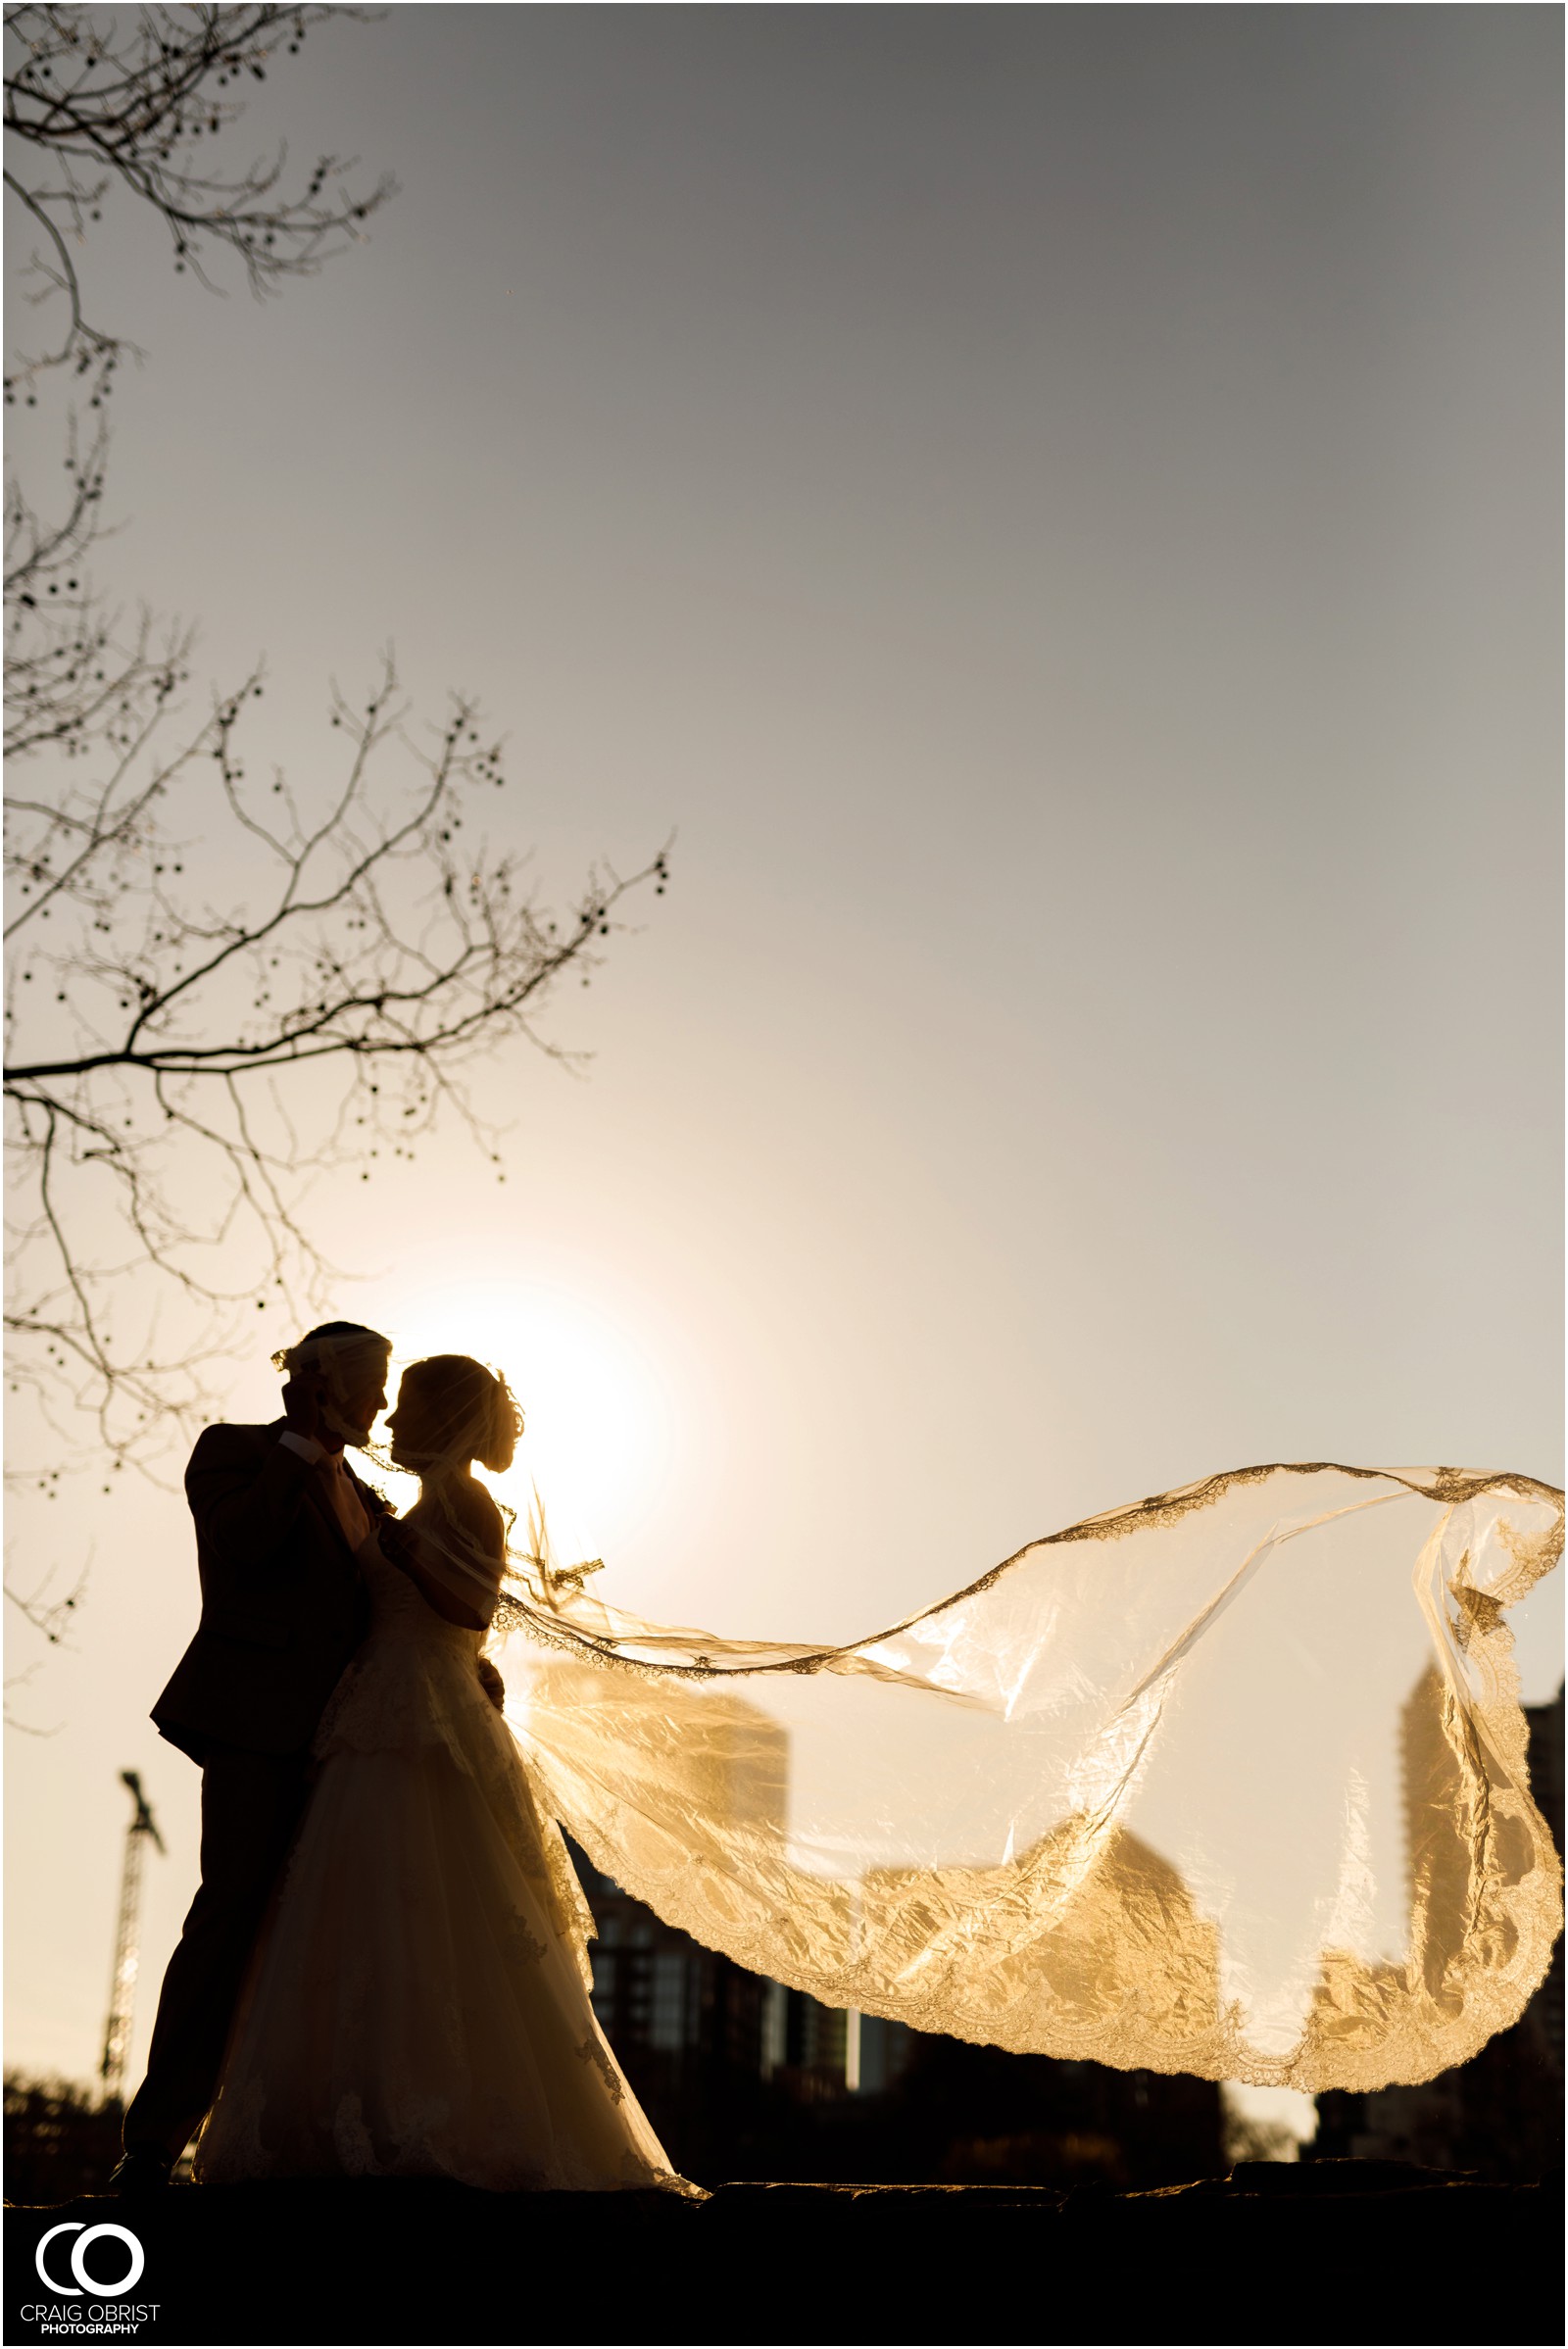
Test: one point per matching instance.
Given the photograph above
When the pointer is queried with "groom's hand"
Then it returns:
(491, 1682)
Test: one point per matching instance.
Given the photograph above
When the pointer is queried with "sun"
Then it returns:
(599, 1435)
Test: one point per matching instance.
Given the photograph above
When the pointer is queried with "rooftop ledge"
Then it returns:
(1315, 2252)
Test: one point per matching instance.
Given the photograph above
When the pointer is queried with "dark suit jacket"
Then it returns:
(283, 1603)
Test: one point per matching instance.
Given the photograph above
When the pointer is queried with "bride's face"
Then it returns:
(415, 1427)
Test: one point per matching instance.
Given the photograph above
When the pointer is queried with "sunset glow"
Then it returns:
(601, 1422)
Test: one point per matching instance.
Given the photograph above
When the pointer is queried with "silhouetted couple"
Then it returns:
(384, 1970)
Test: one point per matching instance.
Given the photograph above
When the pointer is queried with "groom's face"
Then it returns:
(362, 1406)
(349, 1414)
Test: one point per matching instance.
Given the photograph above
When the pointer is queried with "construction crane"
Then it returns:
(127, 1943)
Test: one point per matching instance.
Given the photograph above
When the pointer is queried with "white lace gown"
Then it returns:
(418, 2000)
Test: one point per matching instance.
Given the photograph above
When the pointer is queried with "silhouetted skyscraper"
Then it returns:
(1502, 2113)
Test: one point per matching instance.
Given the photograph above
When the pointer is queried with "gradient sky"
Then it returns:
(1058, 511)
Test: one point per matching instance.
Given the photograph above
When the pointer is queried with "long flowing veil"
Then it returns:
(1229, 1782)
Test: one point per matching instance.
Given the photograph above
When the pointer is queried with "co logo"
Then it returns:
(79, 2257)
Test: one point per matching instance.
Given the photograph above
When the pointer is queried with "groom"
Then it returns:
(279, 1516)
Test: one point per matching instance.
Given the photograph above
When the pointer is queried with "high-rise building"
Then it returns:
(1502, 2113)
(718, 2055)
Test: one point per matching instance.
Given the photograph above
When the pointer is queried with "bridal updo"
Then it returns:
(470, 1411)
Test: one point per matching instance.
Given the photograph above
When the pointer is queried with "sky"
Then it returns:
(1057, 510)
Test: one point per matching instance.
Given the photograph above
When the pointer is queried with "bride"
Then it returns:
(418, 2000)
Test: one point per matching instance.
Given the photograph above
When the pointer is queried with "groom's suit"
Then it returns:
(282, 1611)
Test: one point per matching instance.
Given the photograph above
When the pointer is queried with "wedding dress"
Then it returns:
(418, 2001)
(1231, 1782)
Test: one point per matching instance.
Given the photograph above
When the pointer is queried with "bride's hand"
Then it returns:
(491, 1682)
(396, 1539)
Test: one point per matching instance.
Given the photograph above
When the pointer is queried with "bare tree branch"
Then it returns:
(219, 990)
(51, 1619)
(149, 1023)
(94, 105)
